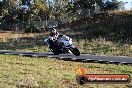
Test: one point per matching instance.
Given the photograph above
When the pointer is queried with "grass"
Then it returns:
(22, 42)
(27, 72)
(121, 12)
(34, 43)
(101, 46)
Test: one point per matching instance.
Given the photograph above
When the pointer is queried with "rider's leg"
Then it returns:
(51, 43)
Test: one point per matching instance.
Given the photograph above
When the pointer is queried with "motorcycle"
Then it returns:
(63, 44)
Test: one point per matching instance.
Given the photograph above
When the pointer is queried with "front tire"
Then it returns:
(75, 51)
(56, 52)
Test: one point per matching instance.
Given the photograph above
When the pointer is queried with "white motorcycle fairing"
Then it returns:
(66, 43)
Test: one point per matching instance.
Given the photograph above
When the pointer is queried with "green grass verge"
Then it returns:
(98, 46)
(26, 72)
(101, 46)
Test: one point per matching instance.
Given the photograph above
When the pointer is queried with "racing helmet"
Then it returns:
(53, 30)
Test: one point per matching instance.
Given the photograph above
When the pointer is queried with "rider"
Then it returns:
(54, 33)
(53, 36)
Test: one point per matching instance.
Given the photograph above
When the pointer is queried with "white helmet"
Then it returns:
(53, 30)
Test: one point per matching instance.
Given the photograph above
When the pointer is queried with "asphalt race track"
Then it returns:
(81, 58)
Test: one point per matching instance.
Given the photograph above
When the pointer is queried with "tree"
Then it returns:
(122, 5)
(26, 2)
(59, 9)
(1, 6)
(111, 5)
(85, 7)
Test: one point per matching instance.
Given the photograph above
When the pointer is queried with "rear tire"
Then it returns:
(75, 51)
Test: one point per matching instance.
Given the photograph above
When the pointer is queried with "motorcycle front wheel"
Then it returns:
(55, 51)
(75, 51)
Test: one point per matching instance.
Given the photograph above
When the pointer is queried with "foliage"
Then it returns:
(113, 5)
(19, 11)
(62, 11)
(31, 28)
(27, 72)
